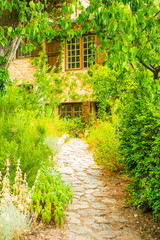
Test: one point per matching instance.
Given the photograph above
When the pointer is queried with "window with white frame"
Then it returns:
(79, 52)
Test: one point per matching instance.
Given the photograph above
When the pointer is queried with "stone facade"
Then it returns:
(23, 71)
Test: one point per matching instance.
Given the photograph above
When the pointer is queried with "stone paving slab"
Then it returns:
(92, 215)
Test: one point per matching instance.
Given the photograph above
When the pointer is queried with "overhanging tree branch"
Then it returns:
(146, 66)
(156, 14)
(154, 70)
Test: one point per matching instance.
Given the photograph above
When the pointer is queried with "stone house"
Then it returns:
(76, 58)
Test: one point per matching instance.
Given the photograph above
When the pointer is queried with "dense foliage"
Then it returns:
(4, 80)
(25, 133)
(29, 134)
(50, 196)
(140, 145)
(130, 38)
(104, 140)
(129, 34)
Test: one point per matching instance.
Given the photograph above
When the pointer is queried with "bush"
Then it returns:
(50, 196)
(14, 205)
(13, 222)
(105, 143)
(23, 134)
(140, 143)
(74, 126)
(140, 149)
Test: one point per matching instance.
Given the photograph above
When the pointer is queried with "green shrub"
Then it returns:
(4, 79)
(140, 142)
(74, 126)
(22, 137)
(105, 143)
(14, 204)
(50, 196)
(52, 143)
(13, 222)
(23, 134)
(140, 149)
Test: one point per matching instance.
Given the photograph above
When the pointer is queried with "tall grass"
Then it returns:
(22, 134)
(104, 140)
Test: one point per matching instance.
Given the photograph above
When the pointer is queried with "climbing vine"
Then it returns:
(4, 80)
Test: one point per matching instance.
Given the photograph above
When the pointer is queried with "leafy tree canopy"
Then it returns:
(129, 32)
(35, 20)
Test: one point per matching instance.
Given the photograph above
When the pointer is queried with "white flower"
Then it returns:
(3, 202)
(7, 217)
(28, 200)
(20, 207)
(8, 199)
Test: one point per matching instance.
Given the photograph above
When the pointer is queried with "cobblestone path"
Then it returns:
(93, 215)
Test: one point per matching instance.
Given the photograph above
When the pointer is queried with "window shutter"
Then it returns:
(52, 51)
(86, 111)
(35, 53)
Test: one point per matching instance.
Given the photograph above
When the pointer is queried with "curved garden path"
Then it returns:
(94, 214)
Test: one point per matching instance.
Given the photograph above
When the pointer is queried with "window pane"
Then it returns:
(73, 53)
(77, 59)
(69, 47)
(73, 59)
(63, 115)
(84, 39)
(73, 40)
(77, 107)
(68, 108)
(89, 51)
(85, 64)
(78, 52)
(77, 114)
(85, 58)
(73, 47)
(85, 45)
(73, 65)
(77, 46)
(85, 52)
(77, 65)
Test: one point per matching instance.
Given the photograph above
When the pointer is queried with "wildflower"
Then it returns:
(8, 199)
(20, 207)
(7, 162)
(7, 217)
(3, 202)
(18, 164)
(28, 200)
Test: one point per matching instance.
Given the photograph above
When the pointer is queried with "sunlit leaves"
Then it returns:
(50, 196)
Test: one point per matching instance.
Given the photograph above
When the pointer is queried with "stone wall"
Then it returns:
(22, 70)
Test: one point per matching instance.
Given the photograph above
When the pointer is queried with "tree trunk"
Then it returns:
(9, 51)
(9, 19)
